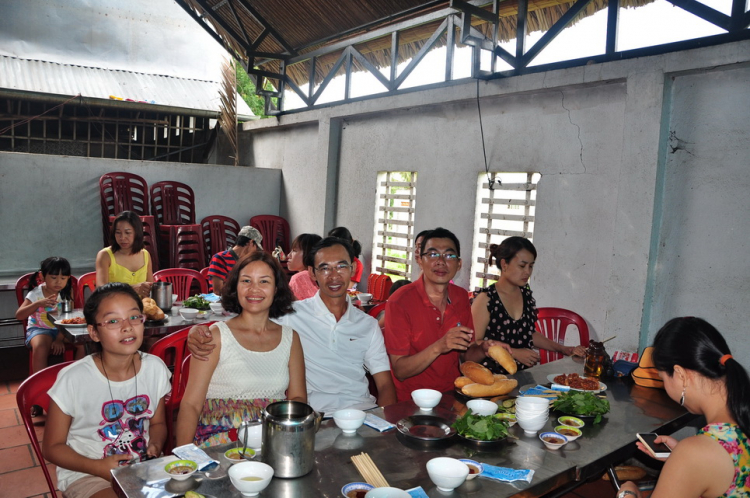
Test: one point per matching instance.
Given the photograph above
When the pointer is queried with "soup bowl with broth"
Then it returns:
(250, 478)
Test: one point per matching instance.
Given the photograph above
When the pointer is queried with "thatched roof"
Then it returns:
(298, 27)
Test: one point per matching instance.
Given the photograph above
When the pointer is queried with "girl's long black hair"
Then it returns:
(344, 233)
(54, 266)
(695, 344)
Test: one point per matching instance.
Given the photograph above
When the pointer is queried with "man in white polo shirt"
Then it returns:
(339, 341)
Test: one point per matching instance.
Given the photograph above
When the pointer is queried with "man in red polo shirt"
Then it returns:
(428, 323)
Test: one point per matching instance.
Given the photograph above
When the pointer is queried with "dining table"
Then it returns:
(402, 458)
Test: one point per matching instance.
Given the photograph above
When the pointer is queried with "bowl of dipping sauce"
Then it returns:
(180, 470)
(571, 421)
(571, 433)
(250, 478)
(553, 440)
(475, 468)
(356, 490)
(235, 455)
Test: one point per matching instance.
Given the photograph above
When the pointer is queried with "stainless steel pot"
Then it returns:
(289, 429)
(161, 292)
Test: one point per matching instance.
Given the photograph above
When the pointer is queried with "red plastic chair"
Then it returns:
(379, 286)
(172, 203)
(87, 281)
(182, 280)
(275, 231)
(22, 288)
(207, 278)
(120, 192)
(553, 323)
(171, 349)
(375, 310)
(219, 234)
(186, 247)
(33, 391)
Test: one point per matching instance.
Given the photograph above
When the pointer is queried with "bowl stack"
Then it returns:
(532, 413)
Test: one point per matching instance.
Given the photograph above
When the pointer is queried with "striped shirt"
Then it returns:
(220, 266)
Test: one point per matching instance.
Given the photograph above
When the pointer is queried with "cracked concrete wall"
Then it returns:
(597, 134)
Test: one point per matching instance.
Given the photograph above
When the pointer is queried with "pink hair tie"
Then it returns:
(723, 359)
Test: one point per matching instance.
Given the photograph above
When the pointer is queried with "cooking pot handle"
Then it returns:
(318, 419)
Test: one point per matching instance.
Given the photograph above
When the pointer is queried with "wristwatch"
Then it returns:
(624, 493)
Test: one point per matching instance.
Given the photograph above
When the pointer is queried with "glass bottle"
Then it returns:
(593, 365)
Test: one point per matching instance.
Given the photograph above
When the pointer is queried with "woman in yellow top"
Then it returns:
(126, 260)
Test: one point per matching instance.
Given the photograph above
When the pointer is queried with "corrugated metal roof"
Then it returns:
(64, 79)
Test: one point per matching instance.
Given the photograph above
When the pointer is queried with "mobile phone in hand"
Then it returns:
(659, 450)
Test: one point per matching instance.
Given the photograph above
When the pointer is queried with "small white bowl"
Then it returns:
(530, 428)
(532, 403)
(241, 471)
(553, 440)
(349, 420)
(182, 467)
(364, 297)
(475, 468)
(573, 432)
(235, 455)
(482, 406)
(426, 399)
(447, 473)
(188, 313)
(387, 493)
(217, 308)
(254, 436)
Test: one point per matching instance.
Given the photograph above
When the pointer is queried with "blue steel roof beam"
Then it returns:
(372, 69)
(613, 26)
(704, 12)
(250, 10)
(420, 55)
(555, 30)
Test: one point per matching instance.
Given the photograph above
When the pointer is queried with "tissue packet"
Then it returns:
(505, 474)
(377, 423)
(417, 492)
(197, 455)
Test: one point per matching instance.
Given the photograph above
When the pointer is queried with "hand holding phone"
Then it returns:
(658, 450)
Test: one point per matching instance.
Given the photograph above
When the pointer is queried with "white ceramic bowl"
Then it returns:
(475, 468)
(530, 428)
(174, 298)
(387, 493)
(532, 402)
(235, 455)
(447, 473)
(573, 433)
(188, 313)
(243, 470)
(553, 440)
(356, 486)
(364, 297)
(254, 436)
(216, 308)
(349, 420)
(482, 406)
(531, 418)
(183, 465)
(426, 399)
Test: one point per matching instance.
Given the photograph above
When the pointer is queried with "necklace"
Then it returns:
(135, 376)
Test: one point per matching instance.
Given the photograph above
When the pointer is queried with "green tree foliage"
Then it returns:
(246, 89)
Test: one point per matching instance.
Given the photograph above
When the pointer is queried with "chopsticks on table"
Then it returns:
(369, 470)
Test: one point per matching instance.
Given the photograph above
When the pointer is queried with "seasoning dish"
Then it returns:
(235, 455)
(356, 489)
(553, 440)
(572, 433)
(250, 478)
(180, 470)
(475, 468)
(571, 421)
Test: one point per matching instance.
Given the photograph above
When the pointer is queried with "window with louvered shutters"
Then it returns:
(393, 243)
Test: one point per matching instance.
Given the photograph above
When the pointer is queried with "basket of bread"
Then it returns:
(478, 381)
(151, 310)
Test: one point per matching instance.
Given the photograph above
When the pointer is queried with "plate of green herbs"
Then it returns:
(196, 302)
(481, 430)
(582, 404)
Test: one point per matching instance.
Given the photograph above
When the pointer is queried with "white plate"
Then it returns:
(602, 385)
(59, 322)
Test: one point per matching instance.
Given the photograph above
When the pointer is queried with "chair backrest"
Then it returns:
(86, 281)
(207, 278)
(553, 323)
(375, 310)
(187, 246)
(379, 286)
(33, 391)
(182, 280)
(219, 234)
(275, 231)
(171, 349)
(120, 192)
(173, 203)
(184, 374)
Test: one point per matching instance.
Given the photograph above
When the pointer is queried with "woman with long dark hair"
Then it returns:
(126, 260)
(700, 373)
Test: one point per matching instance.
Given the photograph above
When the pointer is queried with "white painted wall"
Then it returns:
(598, 135)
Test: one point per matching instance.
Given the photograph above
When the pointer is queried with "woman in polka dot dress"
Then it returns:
(506, 311)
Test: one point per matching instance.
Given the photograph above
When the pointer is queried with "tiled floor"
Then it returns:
(21, 476)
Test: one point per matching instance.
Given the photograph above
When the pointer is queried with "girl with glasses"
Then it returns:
(108, 408)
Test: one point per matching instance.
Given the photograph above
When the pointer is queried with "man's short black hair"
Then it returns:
(441, 233)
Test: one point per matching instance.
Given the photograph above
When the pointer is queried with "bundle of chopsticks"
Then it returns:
(369, 470)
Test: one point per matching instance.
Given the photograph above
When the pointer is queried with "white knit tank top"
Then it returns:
(245, 374)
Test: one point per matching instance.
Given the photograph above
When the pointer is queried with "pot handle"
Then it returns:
(318, 419)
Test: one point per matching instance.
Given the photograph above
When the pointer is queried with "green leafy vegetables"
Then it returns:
(582, 403)
(483, 428)
(196, 302)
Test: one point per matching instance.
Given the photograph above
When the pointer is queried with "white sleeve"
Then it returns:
(376, 358)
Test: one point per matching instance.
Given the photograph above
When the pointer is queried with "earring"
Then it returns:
(682, 398)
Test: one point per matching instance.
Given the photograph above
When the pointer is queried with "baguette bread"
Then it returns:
(462, 381)
(477, 373)
(503, 357)
(500, 386)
